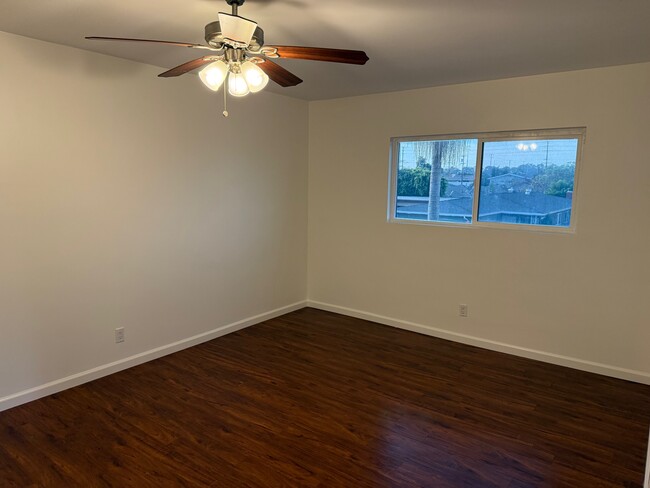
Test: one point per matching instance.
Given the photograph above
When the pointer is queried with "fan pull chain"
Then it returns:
(225, 102)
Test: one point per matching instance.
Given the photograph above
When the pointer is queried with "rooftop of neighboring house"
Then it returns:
(490, 203)
(508, 177)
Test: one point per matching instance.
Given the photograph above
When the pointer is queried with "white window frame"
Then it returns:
(579, 133)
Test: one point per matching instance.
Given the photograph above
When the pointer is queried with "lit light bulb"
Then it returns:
(533, 147)
(237, 85)
(213, 75)
(255, 77)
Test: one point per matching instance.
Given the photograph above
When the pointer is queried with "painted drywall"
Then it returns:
(579, 296)
(129, 201)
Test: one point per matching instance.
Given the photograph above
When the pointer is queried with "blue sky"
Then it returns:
(507, 153)
(515, 153)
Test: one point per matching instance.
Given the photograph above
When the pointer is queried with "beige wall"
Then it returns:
(128, 201)
(582, 296)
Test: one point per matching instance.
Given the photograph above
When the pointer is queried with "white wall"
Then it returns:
(574, 299)
(128, 201)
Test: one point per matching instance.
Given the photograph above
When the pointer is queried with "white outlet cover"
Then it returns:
(119, 335)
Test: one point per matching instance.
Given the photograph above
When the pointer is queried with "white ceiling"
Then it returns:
(410, 44)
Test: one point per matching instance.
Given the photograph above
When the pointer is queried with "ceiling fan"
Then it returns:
(241, 59)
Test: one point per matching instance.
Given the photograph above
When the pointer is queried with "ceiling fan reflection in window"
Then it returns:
(240, 59)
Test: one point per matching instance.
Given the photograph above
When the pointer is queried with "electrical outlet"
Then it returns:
(119, 334)
(462, 310)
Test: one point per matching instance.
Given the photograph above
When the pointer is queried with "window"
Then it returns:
(524, 179)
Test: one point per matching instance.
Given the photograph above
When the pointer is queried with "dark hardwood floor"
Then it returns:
(319, 399)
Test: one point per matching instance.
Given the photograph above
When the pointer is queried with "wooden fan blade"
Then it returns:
(278, 74)
(170, 43)
(322, 54)
(187, 67)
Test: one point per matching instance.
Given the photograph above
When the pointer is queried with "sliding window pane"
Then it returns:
(528, 182)
(435, 180)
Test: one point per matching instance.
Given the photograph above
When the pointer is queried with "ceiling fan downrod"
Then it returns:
(235, 4)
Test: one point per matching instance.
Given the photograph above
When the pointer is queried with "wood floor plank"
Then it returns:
(316, 399)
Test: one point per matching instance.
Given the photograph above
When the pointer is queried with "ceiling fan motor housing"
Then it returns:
(215, 38)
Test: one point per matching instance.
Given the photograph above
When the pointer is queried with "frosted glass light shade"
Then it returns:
(255, 77)
(214, 74)
(237, 85)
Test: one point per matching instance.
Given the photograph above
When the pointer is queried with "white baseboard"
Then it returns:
(580, 364)
(106, 369)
